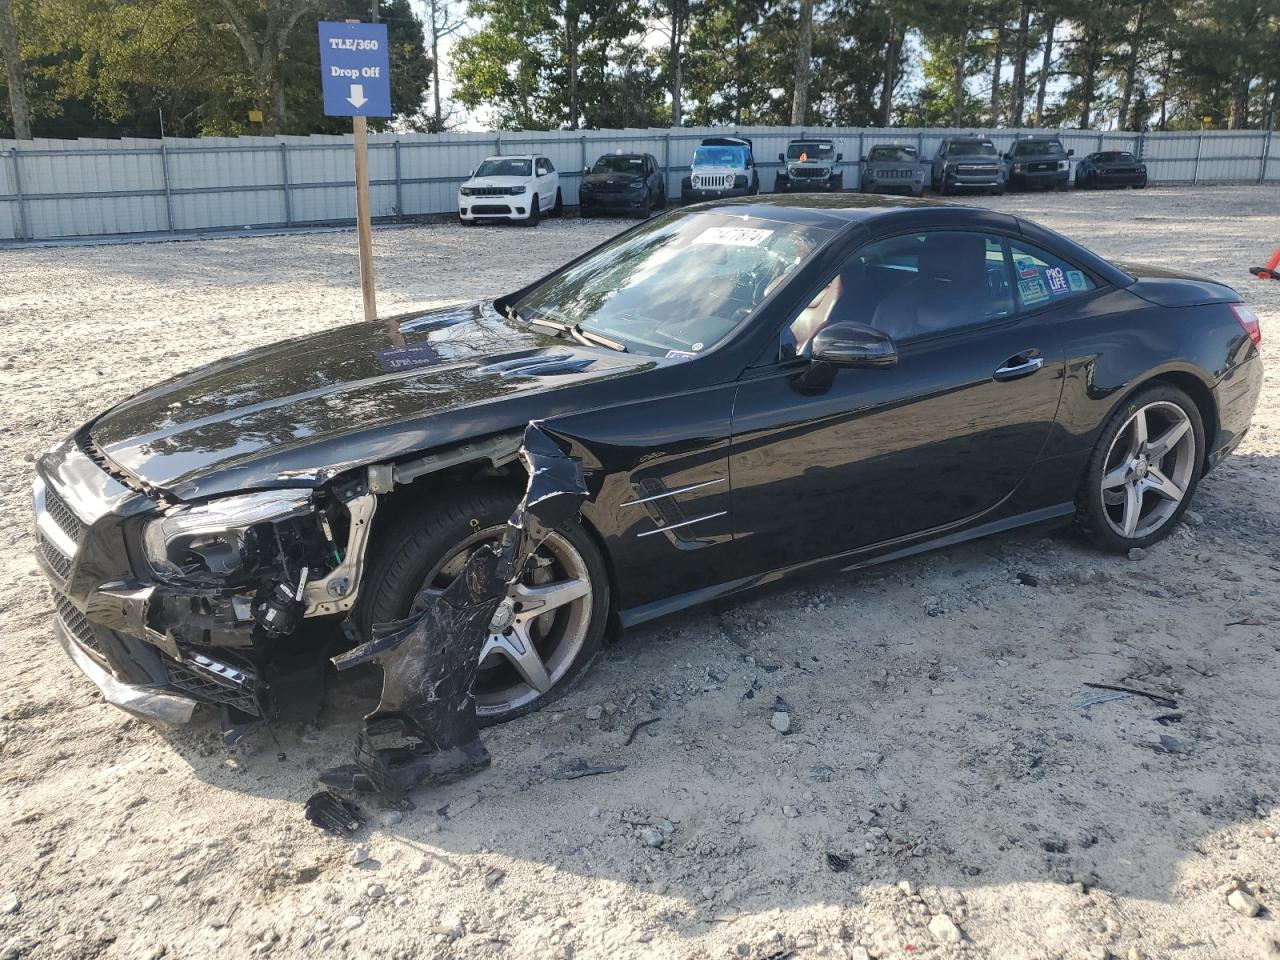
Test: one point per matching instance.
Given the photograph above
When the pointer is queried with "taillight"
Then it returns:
(1249, 321)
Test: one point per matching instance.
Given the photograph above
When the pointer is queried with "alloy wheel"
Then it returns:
(1148, 470)
(537, 631)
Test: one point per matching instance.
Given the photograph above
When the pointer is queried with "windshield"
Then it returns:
(623, 164)
(967, 148)
(504, 167)
(1114, 156)
(1037, 148)
(891, 154)
(810, 151)
(719, 157)
(679, 284)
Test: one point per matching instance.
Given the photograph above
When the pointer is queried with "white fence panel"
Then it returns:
(61, 188)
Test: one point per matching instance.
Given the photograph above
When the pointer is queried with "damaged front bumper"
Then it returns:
(157, 649)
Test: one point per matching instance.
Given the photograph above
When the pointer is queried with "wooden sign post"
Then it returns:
(364, 223)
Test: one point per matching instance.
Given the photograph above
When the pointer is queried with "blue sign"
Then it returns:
(355, 69)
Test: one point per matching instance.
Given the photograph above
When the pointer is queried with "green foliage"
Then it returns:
(114, 67)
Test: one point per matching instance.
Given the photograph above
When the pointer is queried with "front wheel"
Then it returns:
(548, 629)
(1143, 471)
(535, 214)
(558, 209)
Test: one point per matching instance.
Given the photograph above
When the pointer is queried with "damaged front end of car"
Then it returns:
(166, 605)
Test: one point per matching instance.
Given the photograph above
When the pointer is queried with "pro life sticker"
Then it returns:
(1057, 278)
(733, 236)
(1075, 279)
(1032, 291)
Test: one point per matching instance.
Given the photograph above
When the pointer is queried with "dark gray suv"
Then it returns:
(1037, 163)
(967, 163)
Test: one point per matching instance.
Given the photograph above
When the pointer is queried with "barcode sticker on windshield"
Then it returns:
(733, 236)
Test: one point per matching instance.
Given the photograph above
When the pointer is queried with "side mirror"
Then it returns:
(586, 171)
(1071, 153)
(852, 345)
(839, 157)
(782, 158)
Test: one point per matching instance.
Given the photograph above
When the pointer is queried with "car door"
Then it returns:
(825, 461)
(939, 161)
(542, 170)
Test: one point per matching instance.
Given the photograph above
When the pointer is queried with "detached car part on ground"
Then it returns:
(810, 166)
(725, 374)
(1037, 163)
(967, 164)
(893, 168)
(520, 189)
(1111, 168)
(722, 167)
(623, 182)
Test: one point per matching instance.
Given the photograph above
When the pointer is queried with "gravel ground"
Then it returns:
(937, 746)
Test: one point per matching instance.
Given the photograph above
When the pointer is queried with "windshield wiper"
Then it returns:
(578, 333)
(599, 339)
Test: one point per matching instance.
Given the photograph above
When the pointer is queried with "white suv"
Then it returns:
(511, 188)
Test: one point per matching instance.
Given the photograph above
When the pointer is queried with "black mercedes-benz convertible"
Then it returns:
(755, 389)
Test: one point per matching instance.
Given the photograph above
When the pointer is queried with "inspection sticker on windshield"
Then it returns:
(1032, 291)
(733, 236)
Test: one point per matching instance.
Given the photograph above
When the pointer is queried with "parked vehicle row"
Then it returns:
(525, 188)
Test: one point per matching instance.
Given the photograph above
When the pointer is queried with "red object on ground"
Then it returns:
(1271, 271)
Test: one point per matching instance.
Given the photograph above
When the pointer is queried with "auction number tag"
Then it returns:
(733, 236)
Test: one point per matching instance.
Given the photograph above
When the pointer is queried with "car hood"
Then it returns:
(623, 177)
(973, 158)
(498, 182)
(297, 412)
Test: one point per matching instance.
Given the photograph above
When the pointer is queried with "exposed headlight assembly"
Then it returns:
(221, 539)
(1062, 164)
(465, 191)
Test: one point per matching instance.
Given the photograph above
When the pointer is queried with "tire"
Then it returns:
(998, 191)
(643, 212)
(535, 214)
(942, 188)
(427, 536)
(1120, 471)
(662, 198)
(558, 209)
(839, 184)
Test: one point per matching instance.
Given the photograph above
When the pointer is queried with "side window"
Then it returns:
(1043, 278)
(550, 167)
(912, 286)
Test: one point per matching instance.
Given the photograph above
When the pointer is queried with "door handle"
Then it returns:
(1022, 365)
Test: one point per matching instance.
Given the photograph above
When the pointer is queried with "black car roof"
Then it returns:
(838, 211)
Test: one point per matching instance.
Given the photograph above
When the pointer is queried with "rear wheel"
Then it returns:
(1144, 469)
(547, 630)
(558, 209)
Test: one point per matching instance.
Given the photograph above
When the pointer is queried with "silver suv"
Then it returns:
(967, 163)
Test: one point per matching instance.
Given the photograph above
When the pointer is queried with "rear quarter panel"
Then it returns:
(1124, 341)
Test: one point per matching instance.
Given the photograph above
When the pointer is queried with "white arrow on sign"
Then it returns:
(357, 98)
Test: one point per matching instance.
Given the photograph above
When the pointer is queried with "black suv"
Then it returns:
(1037, 163)
(631, 182)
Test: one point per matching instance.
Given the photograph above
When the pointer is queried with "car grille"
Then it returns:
(975, 168)
(810, 173)
(610, 187)
(896, 174)
(59, 561)
(490, 208)
(63, 515)
(490, 191)
(213, 682)
(75, 623)
(1118, 171)
(711, 181)
(1042, 167)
